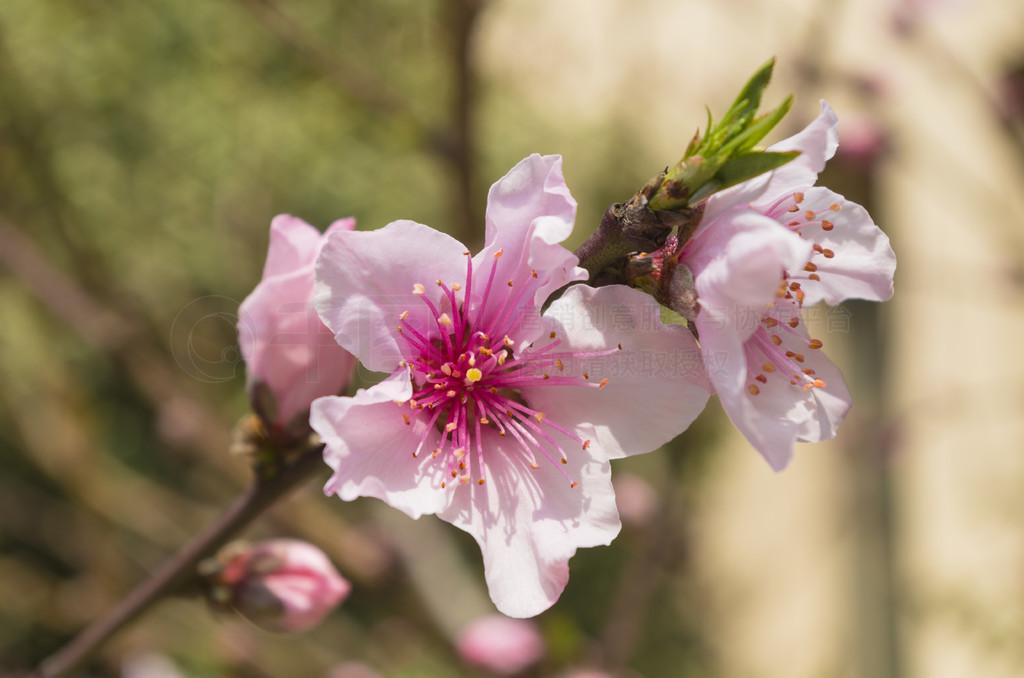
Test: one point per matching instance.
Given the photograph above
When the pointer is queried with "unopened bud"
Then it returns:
(281, 585)
(501, 645)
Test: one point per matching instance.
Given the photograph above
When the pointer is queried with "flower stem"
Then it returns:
(180, 569)
(630, 227)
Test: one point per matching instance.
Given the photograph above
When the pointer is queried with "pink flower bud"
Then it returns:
(636, 499)
(280, 585)
(500, 644)
(291, 358)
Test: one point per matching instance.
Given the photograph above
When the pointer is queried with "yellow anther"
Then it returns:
(473, 375)
(419, 289)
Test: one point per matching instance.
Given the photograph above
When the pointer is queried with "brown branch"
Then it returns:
(119, 336)
(462, 19)
(180, 569)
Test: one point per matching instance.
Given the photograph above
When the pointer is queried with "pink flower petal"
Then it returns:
(738, 264)
(854, 259)
(283, 342)
(529, 212)
(765, 406)
(656, 385)
(817, 143)
(369, 445)
(365, 281)
(293, 244)
(529, 522)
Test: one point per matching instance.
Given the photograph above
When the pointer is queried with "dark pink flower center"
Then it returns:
(468, 374)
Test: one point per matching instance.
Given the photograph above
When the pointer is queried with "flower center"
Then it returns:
(468, 375)
(791, 211)
(776, 351)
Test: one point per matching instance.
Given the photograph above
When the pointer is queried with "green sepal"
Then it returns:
(758, 129)
(741, 168)
(749, 99)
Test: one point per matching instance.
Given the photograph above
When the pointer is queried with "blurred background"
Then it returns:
(146, 144)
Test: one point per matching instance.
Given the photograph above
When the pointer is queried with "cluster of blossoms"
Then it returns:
(764, 250)
(512, 384)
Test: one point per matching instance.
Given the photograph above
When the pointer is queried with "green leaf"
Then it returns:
(750, 165)
(759, 129)
(749, 99)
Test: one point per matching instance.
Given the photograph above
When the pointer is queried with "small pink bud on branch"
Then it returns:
(282, 585)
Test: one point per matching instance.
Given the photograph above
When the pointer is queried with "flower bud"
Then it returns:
(291, 357)
(500, 644)
(281, 585)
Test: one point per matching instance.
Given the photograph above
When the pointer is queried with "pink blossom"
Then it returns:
(283, 584)
(497, 418)
(764, 250)
(289, 354)
(501, 645)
